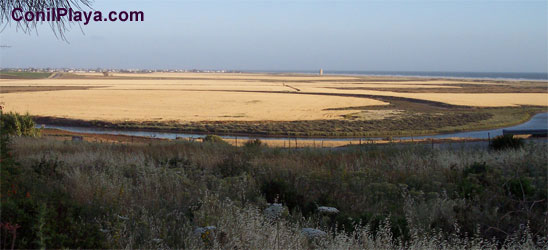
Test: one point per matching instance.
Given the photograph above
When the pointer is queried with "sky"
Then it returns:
(412, 35)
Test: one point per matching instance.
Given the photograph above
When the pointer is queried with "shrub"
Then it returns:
(213, 139)
(476, 168)
(474, 180)
(58, 222)
(44, 215)
(233, 165)
(254, 143)
(506, 142)
(280, 191)
(520, 187)
(253, 148)
(18, 125)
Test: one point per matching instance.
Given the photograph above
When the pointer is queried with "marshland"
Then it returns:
(298, 105)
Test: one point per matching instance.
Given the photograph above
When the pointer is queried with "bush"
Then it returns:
(520, 187)
(280, 191)
(213, 139)
(476, 168)
(254, 143)
(18, 125)
(36, 213)
(506, 142)
(233, 165)
(475, 180)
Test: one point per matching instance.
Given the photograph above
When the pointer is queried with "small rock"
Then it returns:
(313, 233)
(123, 217)
(274, 211)
(156, 240)
(328, 210)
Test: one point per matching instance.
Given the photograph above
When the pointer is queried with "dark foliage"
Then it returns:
(506, 142)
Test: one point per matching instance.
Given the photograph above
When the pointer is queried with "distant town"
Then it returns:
(102, 70)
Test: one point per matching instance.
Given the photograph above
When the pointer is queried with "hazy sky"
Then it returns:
(493, 36)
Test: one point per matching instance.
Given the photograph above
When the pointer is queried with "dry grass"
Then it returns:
(156, 105)
(155, 195)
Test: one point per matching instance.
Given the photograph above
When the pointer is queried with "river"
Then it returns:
(539, 121)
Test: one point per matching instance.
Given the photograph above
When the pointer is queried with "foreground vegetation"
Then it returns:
(59, 194)
(17, 125)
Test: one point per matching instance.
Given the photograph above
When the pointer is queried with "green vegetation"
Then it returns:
(213, 139)
(23, 75)
(93, 195)
(506, 142)
(37, 213)
(18, 125)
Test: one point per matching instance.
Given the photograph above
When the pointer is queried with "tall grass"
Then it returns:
(155, 195)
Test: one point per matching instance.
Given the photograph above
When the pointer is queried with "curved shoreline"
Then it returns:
(123, 131)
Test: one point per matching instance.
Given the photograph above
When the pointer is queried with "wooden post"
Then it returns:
(296, 146)
(236, 141)
(489, 138)
(360, 141)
